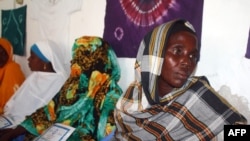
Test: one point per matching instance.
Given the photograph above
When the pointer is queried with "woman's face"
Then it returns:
(180, 59)
(3, 56)
(35, 63)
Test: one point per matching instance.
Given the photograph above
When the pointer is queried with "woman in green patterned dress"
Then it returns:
(87, 99)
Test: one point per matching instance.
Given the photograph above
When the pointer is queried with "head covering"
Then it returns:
(38, 53)
(193, 112)
(40, 87)
(87, 99)
(151, 55)
(54, 54)
(8, 47)
(11, 75)
(181, 25)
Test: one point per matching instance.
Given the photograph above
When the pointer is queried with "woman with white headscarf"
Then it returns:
(47, 77)
(86, 100)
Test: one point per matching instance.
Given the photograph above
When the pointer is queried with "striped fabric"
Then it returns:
(193, 112)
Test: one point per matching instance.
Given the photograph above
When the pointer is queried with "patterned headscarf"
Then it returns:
(151, 55)
(87, 99)
(193, 112)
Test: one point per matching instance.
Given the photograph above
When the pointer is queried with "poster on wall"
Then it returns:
(14, 28)
(127, 21)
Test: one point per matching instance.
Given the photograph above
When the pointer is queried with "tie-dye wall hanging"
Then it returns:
(127, 21)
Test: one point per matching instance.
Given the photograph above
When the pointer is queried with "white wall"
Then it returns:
(224, 38)
(225, 30)
(226, 25)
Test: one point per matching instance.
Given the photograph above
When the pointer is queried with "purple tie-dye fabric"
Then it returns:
(125, 26)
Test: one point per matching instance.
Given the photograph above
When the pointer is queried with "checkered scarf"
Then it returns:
(193, 112)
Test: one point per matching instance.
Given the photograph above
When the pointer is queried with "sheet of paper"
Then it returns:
(5, 122)
(57, 132)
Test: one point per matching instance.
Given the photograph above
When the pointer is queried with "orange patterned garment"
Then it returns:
(11, 75)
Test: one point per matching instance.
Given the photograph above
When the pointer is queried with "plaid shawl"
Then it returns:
(193, 112)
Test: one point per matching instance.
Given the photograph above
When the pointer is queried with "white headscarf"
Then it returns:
(40, 87)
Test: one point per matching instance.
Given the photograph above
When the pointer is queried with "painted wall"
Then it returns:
(225, 30)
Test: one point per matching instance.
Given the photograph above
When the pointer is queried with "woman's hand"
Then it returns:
(9, 134)
(4, 131)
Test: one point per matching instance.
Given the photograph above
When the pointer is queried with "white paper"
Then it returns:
(5, 122)
(57, 132)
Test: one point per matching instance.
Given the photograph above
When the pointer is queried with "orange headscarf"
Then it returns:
(11, 75)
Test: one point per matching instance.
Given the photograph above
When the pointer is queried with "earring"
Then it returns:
(44, 67)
